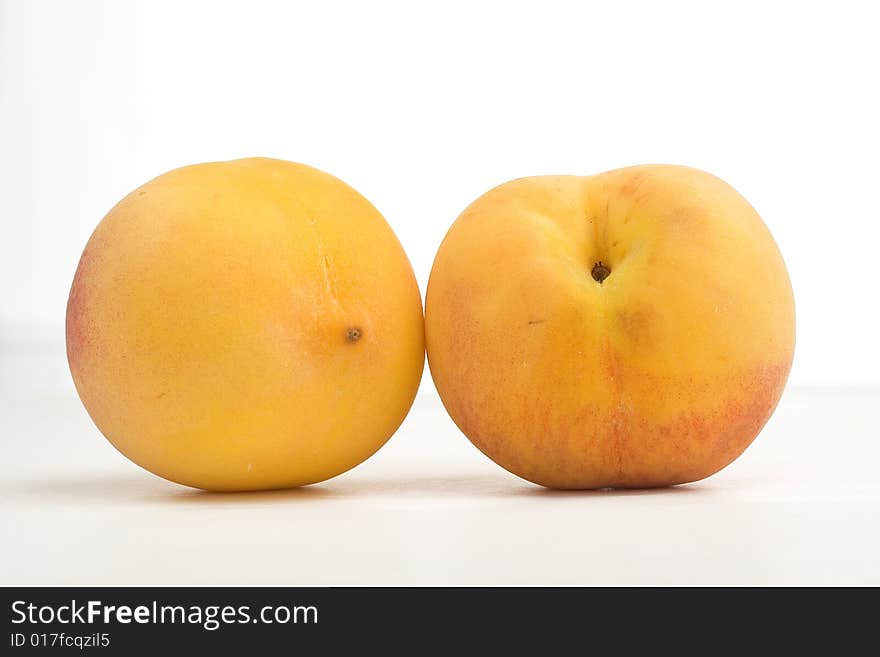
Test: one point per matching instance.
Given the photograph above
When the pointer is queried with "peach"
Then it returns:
(245, 325)
(629, 329)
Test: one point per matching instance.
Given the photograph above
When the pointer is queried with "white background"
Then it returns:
(423, 107)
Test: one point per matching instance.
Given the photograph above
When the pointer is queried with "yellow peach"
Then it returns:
(245, 325)
(629, 329)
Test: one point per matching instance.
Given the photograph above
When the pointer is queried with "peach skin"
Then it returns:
(245, 325)
(629, 329)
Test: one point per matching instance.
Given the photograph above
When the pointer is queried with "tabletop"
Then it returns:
(800, 507)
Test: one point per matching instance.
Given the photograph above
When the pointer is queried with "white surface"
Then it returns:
(801, 506)
(422, 107)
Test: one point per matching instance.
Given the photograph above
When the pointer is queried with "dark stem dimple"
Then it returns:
(600, 272)
(353, 334)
